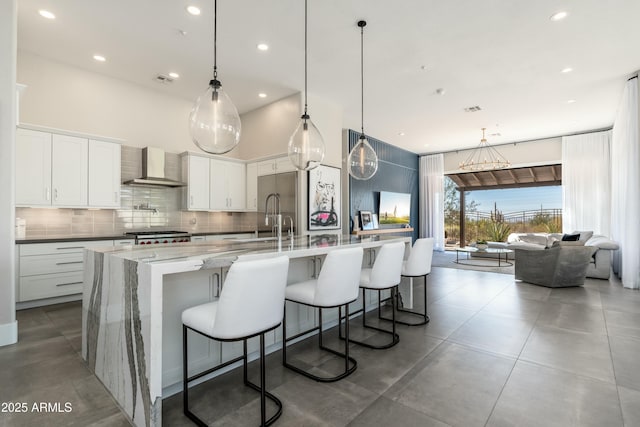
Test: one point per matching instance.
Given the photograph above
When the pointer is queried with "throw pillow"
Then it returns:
(584, 235)
(571, 237)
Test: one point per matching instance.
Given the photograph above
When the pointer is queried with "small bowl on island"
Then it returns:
(482, 245)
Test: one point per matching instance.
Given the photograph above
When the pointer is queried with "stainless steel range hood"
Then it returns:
(153, 170)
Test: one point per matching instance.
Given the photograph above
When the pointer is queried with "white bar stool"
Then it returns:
(336, 285)
(417, 265)
(251, 303)
(385, 274)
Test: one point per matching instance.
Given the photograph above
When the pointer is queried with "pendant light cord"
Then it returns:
(362, 24)
(215, 39)
(305, 58)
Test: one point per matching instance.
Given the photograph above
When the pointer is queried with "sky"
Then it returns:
(518, 199)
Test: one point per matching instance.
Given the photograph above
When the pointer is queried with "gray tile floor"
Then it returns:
(496, 353)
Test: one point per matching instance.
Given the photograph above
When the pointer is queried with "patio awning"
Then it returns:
(509, 178)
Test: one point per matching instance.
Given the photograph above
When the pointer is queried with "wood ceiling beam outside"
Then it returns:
(495, 177)
(513, 176)
(533, 175)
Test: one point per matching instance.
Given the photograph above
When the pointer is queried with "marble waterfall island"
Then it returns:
(133, 297)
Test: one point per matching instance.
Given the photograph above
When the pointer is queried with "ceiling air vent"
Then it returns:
(473, 109)
(161, 78)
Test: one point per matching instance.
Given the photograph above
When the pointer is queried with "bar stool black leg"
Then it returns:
(263, 383)
(425, 316)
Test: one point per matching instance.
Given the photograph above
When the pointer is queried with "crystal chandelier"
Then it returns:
(484, 158)
(306, 147)
(214, 122)
(363, 160)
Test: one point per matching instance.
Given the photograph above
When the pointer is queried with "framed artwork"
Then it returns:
(324, 198)
(366, 220)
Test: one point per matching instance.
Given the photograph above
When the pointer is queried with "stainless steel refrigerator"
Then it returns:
(285, 186)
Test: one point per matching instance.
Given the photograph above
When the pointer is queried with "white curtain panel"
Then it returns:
(625, 185)
(586, 182)
(432, 199)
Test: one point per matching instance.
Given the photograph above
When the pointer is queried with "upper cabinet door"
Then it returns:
(198, 179)
(33, 168)
(219, 185)
(283, 164)
(69, 160)
(237, 186)
(252, 186)
(104, 174)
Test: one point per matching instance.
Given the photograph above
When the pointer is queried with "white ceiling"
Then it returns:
(502, 55)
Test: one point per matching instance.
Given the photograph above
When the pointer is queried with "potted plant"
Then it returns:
(482, 245)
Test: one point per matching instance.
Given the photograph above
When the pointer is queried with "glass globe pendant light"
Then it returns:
(306, 147)
(214, 122)
(363, 160)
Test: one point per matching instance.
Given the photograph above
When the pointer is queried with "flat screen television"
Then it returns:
(395, 208)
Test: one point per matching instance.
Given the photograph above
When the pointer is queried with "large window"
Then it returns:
(492, 215)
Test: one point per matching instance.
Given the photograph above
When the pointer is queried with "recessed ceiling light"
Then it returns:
(558, 16)
(262, 95)
(567, 70)
(194, 10)
(99, 58)
(263, 46)
(401, 133)
(46, 14)
(174, 75)
(571, 101)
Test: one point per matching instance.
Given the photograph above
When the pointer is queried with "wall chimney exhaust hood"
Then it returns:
(153, 170)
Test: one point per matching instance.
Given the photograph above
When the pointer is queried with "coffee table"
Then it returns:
(471, 250)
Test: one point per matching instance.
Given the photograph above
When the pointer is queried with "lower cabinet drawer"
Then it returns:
(45, 264)
(50, 285)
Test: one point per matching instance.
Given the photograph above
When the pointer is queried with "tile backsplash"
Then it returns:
(141, 208)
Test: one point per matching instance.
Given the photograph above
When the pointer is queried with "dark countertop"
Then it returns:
(84, 238)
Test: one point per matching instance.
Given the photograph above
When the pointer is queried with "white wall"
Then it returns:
(8, 37)
(266, 130)
(66, 97)
(521, 154)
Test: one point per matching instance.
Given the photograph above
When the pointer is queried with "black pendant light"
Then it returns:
(306, 147)
(363, 160)
(214, 122)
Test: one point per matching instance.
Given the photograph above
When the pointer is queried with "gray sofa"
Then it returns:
(600, 264)
(555, 267)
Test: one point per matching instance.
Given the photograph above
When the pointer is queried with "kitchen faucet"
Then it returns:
(275, 213)
(290, 232)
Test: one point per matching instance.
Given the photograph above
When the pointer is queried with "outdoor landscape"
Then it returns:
(491, 215)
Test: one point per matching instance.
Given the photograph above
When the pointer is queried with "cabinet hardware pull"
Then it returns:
(70, 247)
(191, 197)
(48, 194)
(70, 283)
(55, 194)
(69, 262)
(115, 196)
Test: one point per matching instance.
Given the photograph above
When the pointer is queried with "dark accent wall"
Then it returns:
(398, 171)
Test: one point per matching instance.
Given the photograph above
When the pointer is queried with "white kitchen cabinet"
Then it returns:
(227, 186)
(195, 171)
(252, 186)
(277, 165)
(51, 169)
(104, 174)
(48, 270)
(69, 171)
(33, 168)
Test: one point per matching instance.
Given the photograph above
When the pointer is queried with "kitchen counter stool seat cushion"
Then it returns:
(251, 303)
(336, 286)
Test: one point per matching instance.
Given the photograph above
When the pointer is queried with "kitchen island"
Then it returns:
(133, 297)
